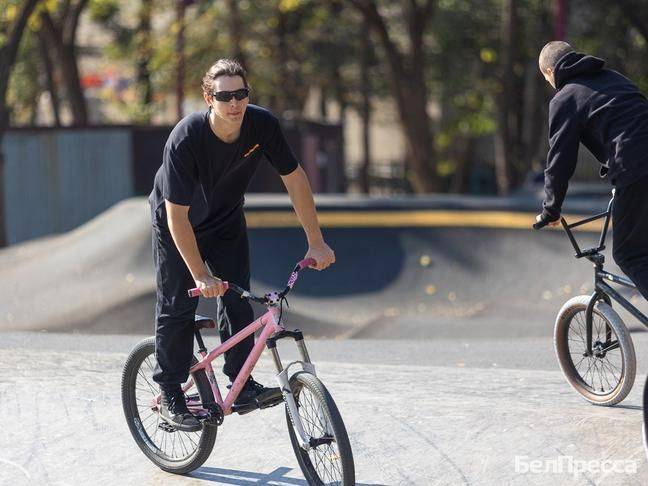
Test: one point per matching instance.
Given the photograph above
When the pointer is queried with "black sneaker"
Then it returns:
(174, 411)
(254, 393)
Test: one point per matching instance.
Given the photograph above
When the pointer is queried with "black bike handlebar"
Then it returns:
(601, 246)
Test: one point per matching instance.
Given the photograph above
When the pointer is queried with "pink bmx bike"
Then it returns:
(315, 427)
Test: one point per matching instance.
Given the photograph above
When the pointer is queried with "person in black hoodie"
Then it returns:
(604, 111)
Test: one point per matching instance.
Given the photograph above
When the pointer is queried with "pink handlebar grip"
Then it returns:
(195, 292)
(307, 262)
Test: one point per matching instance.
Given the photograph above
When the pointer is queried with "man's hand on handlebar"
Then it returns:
(210, 286)
(542, 221)
(322, 254)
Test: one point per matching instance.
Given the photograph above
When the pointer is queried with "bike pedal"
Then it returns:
(166, 427)
(271, 401)
(244, 408)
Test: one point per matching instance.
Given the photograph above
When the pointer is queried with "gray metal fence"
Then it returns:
(56, 180)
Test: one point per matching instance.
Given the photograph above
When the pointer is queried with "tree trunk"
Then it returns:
(236, 32)
(72, 81)
(50, 83)
(180, 56)
(323, 100)
(285, 85)
(340, 93)
(365, 109)
(61, 38)
(560, 22)
(407, 83)
(143, 56)
(416, 123)
(536, 101)
(459, 182)
(8, 53)
(503, 146)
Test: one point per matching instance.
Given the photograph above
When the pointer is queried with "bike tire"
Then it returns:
(207, 435)
(343, 475)
(644, 428)
(572, 316)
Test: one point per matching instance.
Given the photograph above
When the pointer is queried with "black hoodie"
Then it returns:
(606, 112)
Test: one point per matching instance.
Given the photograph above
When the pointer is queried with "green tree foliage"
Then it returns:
(479, 79)
(26, 85)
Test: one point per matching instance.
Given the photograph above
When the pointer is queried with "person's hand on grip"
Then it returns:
(210, 287)
(322, 254)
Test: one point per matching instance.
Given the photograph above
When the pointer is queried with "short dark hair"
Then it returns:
(552, 52)
(222, 67)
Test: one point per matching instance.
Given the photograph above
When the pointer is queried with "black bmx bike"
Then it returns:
(592, 343)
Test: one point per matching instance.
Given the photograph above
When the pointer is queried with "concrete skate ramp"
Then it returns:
(417, 279)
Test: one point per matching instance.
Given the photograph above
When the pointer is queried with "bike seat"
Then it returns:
(203, 322)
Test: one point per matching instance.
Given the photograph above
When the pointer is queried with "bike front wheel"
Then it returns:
(604, 377)
(329, 460)
(171, 450)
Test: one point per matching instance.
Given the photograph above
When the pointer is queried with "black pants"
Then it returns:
(630, 232)
(227, 252)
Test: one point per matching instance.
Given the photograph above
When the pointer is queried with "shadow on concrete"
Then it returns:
(629, 407)
(233, 476)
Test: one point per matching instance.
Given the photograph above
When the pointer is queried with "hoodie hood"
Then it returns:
(575, 64)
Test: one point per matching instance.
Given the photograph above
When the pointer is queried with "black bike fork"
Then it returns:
(589, 319)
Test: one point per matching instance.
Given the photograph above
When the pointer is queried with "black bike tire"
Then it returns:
(644, 428)
(561, 345)
(208, 437)
(318, 390)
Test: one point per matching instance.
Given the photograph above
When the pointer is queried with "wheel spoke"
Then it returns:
(325, 458)
(603, 371)
(169, 445)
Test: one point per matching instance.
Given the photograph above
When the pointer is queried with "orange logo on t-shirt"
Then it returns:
(256, 146)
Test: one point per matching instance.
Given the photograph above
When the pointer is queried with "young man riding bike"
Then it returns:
(197, 213)
(606, 112)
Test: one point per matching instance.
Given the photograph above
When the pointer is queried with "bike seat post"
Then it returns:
(201, 343)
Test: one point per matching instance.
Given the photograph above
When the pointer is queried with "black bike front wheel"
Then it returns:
(645, 418)
(329, 461)
(171, 450)
(605, 376)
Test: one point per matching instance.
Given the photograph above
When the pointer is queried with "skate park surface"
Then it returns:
(433, 332)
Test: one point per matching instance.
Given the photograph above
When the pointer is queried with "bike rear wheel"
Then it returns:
(605, 377)
(171, 450)
(330, 462)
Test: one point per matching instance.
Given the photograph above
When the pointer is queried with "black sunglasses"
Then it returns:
(225, 96)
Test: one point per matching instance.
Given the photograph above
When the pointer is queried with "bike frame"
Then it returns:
(602, 290)
(273, 330)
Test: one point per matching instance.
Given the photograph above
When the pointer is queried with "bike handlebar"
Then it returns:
(601, 245)
(195, 292)
(307, 262)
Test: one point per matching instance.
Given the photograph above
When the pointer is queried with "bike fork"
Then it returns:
(589, 319)
(284, 384)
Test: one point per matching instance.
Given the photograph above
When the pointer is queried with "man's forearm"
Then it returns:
(301, 197)
(185, 240)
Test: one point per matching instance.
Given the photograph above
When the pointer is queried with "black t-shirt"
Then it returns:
(201, 171)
